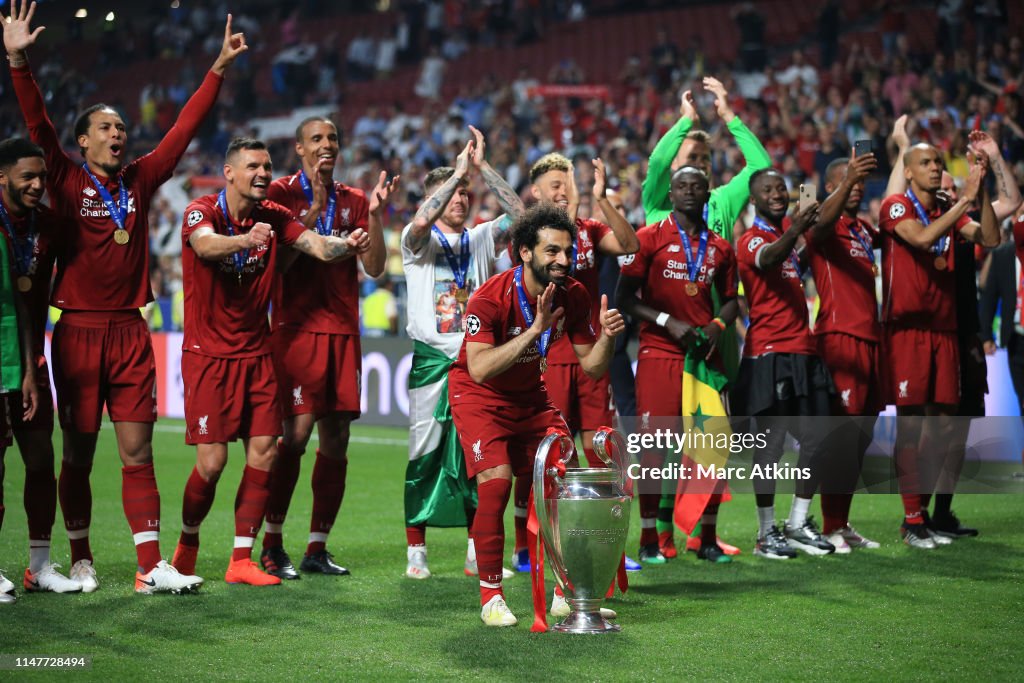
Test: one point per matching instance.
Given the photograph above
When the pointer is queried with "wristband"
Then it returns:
(661, 320)
(720, 323)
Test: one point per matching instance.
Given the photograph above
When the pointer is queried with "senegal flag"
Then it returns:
(708, 435)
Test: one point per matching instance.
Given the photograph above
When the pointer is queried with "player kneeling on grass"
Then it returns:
(229, 255)
(499, 403)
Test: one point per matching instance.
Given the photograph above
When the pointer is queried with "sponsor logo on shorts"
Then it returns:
(297, 396)
(645, 420)
(904, 391)
(845, 395)
(897, 210)
(477, 453)
(472, 325)
(203, 429)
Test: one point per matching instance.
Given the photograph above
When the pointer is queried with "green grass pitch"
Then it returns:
(894, 613)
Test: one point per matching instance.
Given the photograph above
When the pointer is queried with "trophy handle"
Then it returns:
(617, 455)
(540, 474)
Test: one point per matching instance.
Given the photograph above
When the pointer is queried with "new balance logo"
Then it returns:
(477, 453)
(903, 388)
(297, 396)
(673, 247)
(202, 424)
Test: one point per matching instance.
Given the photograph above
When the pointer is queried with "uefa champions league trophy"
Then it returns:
(584, 520)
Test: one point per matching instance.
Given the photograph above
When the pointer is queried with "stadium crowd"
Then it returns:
(670, 147)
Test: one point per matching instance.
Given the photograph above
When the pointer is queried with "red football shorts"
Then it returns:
(920, 367)
(503, 435)
(317, 373)
(229, 398)
(103, 357)
(585, 402)
(853, 364)
(659, 386)
(43, 419)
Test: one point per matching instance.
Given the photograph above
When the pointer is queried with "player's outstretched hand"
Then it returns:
(982, 144)
(382, 192)
(18, 33)
(462, 161)
(974, 178)
(257, 236)
(358, 241)
(234, 45)
(545, 317)
(860, 167)
(612, 323)
(572, 193)
(715, 87)
(900, 138)
(478, 147)
(687, 107)
(806, 218)
(30, 397)
(600, 180)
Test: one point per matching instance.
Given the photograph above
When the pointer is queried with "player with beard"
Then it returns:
(29, 229)
(317, 357)
(667, 286)
(229, 255)
(585, 402)
(445, 262)
(102, 351)
(841, 254)
(499, 401)
(782, 383)
(681, 146)
(920, 322)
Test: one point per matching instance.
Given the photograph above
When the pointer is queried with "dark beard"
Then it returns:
(542, 276)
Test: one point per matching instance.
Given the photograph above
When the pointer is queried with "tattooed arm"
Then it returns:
(328, 248)
(510, 202)
(1007, 193)
(434, 205)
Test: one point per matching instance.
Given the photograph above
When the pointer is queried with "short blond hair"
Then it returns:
(549, 162)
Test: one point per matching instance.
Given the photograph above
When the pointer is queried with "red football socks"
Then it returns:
(489, 533)
(282, 485)
(195, 506)
(328, 491)
(141, 501)
(522, 500)
(250, 503)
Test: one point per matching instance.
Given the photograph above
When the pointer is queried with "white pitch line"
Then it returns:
(373, 440)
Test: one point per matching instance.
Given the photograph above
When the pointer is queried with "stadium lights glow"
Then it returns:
(110, 16)
(175, 4)
(82, 13)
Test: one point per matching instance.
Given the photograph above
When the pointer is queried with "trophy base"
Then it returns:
(585, 622)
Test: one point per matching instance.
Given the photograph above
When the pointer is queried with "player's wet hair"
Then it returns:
(549, 162)
(438, 177)
(834, 166)
(312, 119)
(238, 144)
(756, 177)
(538, 217)
(13, 150)
(85, 118)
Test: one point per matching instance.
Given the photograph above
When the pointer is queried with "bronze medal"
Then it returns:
(543, 364)
(121, 236)
(24, 283)
(462, 295)
(940, 263)
(874, 269)
(692, 289)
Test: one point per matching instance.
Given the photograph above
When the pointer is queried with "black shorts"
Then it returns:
(767, 381)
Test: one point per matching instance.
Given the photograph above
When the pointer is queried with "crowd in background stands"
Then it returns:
(806, 106)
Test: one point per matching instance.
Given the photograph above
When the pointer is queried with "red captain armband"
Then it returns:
(720, 323)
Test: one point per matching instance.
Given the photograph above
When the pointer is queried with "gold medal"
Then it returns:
(462, 295)
(692, 289)
(874, 270)
(940, 263)
(121, 236)
(24, 283)
(543, 364)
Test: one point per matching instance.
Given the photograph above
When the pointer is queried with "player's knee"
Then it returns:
(499, 472)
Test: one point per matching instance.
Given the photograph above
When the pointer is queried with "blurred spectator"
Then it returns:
(380, 310)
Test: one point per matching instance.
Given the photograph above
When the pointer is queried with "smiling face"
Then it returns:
(249, 172)
(103, 144)
(319, 146)
(23, 184)
(549, 261)
(770, 196)
(552, 187)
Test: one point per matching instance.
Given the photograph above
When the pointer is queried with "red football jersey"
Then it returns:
(315, 296)
(778, 309)
(48, 229)
(225, 317)
(94, 273)
(845, 280)
(493, 317)
(589, 234)
(661, 263)
(914, 292)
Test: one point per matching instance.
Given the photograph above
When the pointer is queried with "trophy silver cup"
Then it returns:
(584, 520)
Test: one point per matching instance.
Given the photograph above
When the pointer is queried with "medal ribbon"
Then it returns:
(239, 257)
(939, 248)
(24, 249)
(460, 266)
(768, 227)
(541, 344)
(118, 212)
(693, 268)
(332, 202)
(859, 236)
